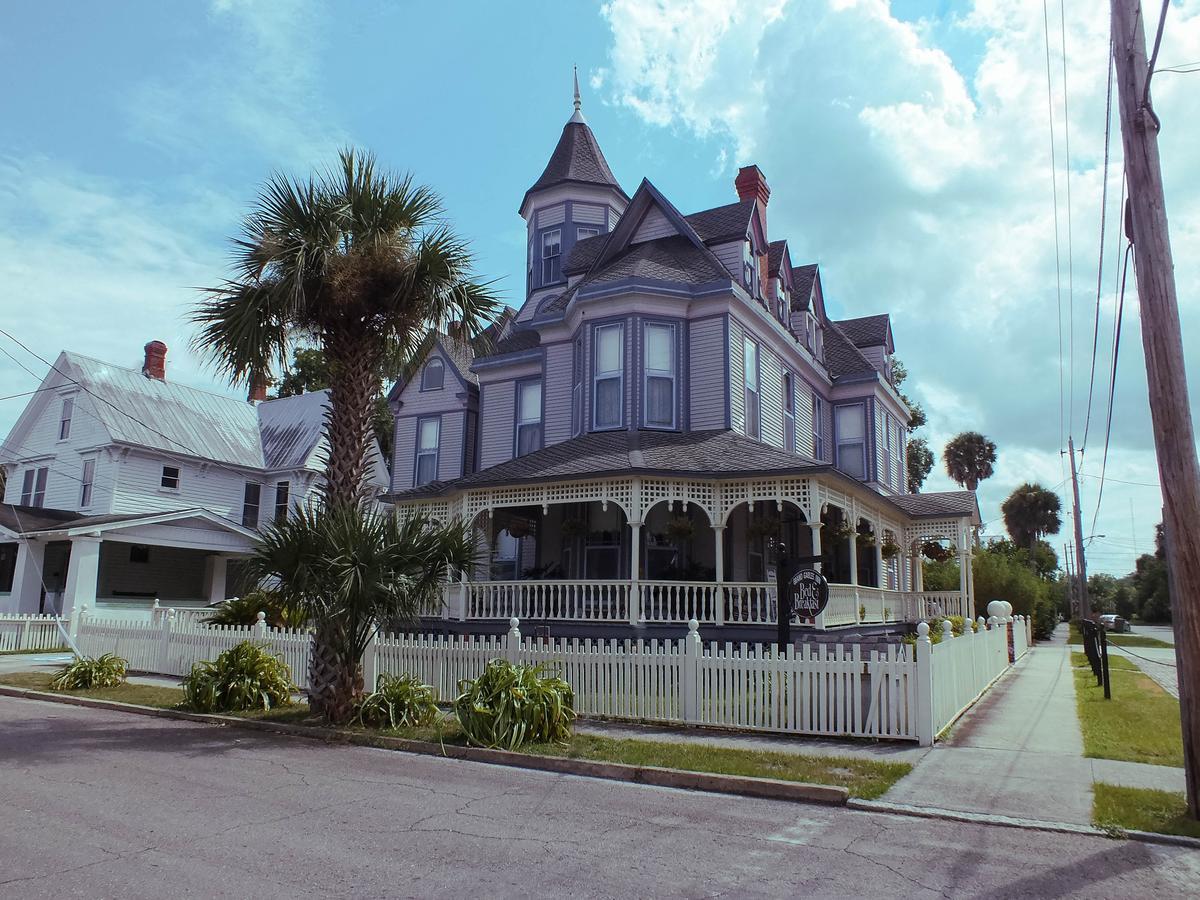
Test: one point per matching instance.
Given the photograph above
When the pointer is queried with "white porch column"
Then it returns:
(880, 575)
(853, 540)
(635, 565)
(83, 569)
(970, 610)
(964, 576)
(919, 571)
(719, 565)
(815, 527)
(216, 570)
(27, 578)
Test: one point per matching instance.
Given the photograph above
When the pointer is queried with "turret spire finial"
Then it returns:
(577, 116)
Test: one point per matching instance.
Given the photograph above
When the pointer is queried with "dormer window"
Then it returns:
(64, 422)
(434, 375)
(810, 332)
(551, 256)
(750, 266)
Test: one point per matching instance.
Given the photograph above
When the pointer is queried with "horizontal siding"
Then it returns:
(706, 374)
(730, 256)
(876, 355)
(139, 487)
(804, 423)
(587, 214)
(450, 446)
(416, 402)
(737, 398)
(553, 215)
(404, 454)
(771, 394)
(560, 371)
(654, 225)
(496, 406)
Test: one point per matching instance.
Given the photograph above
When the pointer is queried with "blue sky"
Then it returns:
(907, 147)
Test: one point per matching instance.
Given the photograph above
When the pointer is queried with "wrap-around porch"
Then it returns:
(646, 551)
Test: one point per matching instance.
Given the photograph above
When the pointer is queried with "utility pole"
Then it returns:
(1085, 605)
(1166, 378)
(1070, 579)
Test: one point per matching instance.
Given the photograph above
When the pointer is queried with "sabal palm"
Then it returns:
(357, 260)
(350, 569)
(969, 459)
(1030, 512)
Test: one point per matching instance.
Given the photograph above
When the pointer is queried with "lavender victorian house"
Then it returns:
(669, 410)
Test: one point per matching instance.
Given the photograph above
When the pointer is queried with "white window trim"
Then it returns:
(520, 423)
(648, 373)
(178, 479)
(757, 390)
(65, 417)
(246, 504)
(436, 361)
(618, 374)
(550, 257)
(857, 442)
(435, 451)
(789, 415)
(87, 489)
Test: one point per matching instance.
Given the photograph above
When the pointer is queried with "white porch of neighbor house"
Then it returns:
(127, 563)
(661, 550)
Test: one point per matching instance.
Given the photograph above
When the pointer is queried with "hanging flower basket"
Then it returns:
(841, 531)
(767, 526)
(518, 527)
(890, 549)
(680, 529)
(866, 539)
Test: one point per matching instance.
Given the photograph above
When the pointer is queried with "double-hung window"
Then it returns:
(283, 491)
(429, 432)
(752, 399)
(583, 232)
(33, 487)
(608, 376)
(551, 256)
(577, 389)
(886, 474)
(86, 482)
(170, 477)
(789, 412)
(851, 433)
(251, 499)
(64, 422)
(818, 428)
(433, 376)
(529, 417)
(659, 363)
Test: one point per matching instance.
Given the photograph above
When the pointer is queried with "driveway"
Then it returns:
(105, 804)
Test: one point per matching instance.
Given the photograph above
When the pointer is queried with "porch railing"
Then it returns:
(666, 602)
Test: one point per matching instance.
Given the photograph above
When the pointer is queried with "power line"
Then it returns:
(1153, 484)
(1070, 238)
(1062, 426)
(1162, 20)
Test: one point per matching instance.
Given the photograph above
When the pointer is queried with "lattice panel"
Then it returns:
(954, 530)
(775, 490)
(656, 490)
(618, 492)
(438, 510)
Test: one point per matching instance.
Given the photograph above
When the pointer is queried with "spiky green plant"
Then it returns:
(244, 610)
(87, 672)
(510, 705)
(246, 676)
(398, 701)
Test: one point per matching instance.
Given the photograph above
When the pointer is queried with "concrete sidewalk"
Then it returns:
(1019, 751)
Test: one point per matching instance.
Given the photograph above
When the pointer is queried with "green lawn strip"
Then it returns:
(1139, 724)
(1142, 809)
(33, 652)
(1120, 640)
(864, 778)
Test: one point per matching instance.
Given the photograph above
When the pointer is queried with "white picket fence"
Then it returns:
(32, 633)
(173, 644)
(963, 667)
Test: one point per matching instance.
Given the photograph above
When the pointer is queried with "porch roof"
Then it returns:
(30, 521)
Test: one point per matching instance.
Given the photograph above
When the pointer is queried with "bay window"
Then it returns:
(608, 377)
(529, 417)
(750, 392)
(429, 432)
(659, 365)
(851, 434)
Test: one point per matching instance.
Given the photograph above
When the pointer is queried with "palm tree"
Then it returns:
(969, 458)
(352, 569)
(362, 265)
(359, 262)
(1030, 512)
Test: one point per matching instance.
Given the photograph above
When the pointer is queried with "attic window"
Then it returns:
(64, 422)
(170, 477)
(434, 375)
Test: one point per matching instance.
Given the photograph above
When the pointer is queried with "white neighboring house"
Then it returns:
(126, 488)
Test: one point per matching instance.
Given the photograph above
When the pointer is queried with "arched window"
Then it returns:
(433, 375)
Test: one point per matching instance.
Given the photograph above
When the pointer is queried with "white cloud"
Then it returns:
(924, 189)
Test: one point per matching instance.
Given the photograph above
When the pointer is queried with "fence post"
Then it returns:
(164, 643)
(925, 724)
(76, 620)
(689, 676)
(23, 644)
(947, 630)
(512, 647)
(370, 661)
(260, 626)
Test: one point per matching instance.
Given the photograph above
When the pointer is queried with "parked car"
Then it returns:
(1114, 623)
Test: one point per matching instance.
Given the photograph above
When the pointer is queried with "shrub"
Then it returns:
(85, 672)
(510, 705)
(398, 701)
(244, 610)
(246, 676)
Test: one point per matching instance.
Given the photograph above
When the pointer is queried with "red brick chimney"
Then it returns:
(155, 365)
(751, 184)
(258, 389)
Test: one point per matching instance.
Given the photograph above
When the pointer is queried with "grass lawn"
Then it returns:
(864, 778)
(1120, 640)
(1139, 724)
(33, 652)
(1142, 809)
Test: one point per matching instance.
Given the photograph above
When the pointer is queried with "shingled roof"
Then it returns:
(842, 358)
(722, 223)
(576, 159)
(514, 342)
(583, 254)
(775, 251)
(866, 331)
(802, 285)
(938, 505)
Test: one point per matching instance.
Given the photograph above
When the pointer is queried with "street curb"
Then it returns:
(764, 788)
(954, 815)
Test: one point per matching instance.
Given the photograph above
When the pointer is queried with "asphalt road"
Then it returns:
(102, 804)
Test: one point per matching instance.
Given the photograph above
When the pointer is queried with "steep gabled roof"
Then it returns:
(576, 159)
(802, 285)
(868, 331)
(290, 428)
(723, 223)
(672, 258)
(583, 254)
(842, 358)
(515, 341)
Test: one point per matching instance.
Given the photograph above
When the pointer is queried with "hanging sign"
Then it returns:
(810, 593)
